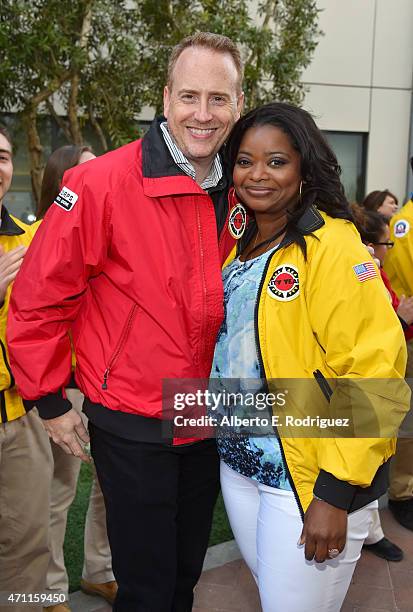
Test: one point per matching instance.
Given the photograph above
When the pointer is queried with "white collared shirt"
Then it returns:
(180, 160)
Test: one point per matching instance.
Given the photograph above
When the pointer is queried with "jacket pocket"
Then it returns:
(119, 345)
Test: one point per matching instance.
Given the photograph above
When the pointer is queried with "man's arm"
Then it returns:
(69, 247)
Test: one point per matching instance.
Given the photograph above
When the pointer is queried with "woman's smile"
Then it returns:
(267, 171)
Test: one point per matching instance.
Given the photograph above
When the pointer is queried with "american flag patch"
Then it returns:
(364, 271)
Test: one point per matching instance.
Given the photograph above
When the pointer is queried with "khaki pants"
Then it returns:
(25, 473)
(401, 467)
(97, 565)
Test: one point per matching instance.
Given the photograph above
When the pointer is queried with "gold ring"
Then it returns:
(333, 553)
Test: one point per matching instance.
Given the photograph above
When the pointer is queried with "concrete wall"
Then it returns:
(360, 80)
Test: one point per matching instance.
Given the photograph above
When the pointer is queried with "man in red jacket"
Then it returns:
(129, 259)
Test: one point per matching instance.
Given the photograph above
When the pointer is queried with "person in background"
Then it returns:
(97, 575)
(383, 202)
(25, 455)
(399, 267)
(374, 231)
(129, 258)
(300, 506)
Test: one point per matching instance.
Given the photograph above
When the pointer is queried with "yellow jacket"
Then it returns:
(319, 315)
(13, 233)
(399, 260)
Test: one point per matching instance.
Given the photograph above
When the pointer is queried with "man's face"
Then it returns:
(203, 102)
(6, 166)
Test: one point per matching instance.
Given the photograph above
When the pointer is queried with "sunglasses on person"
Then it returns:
(389, 244)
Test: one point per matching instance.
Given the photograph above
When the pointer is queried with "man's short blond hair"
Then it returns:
(213, 42)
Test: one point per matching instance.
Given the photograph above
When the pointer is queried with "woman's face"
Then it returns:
(389, 207)
(267, 170)
(380, 250)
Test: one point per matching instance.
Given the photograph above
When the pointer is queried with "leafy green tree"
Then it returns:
(277, 41)
(75, 60)
(100, 62)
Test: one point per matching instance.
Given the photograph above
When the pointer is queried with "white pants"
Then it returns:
(375, 532)
(267, 526)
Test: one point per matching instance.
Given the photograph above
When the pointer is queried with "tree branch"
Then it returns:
(59, 120)
(50, 89)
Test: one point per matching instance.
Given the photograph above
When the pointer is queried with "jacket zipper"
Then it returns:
(204, 288)
(6, 363)
(120, 345)
(3, 412)
(323, 384)
(263, 377)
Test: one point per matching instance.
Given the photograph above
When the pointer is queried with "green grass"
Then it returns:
(221, 531)
(73, 548)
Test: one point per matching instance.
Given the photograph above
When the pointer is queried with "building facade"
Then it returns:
(358, 88)
(360, 91)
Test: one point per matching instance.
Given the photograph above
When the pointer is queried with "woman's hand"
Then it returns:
(325, 529)
(371, 251)
(405, 309)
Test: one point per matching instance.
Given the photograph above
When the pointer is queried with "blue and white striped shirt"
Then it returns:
(182, 162)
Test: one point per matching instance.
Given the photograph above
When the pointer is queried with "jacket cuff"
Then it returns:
(50, 406)
(336, 492)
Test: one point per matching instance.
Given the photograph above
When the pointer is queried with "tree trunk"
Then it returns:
(35, 150)
(72, 111)
(98, 129)
(60, 121)
(72, 107)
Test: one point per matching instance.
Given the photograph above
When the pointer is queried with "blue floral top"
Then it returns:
(257, 457)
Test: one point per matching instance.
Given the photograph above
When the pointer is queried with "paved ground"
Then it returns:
(226, 584)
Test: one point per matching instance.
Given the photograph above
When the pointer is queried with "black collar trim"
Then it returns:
(157, 161)
(8, 226)
(310, 221)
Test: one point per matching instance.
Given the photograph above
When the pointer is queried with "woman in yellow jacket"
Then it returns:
(310, 334)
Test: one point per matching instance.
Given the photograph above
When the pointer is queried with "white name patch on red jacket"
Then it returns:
(66, 199)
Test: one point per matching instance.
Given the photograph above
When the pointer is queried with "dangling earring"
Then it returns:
(237, 220)
(300, 193)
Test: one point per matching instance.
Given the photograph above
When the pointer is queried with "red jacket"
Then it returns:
(408, 329)
(133, 268)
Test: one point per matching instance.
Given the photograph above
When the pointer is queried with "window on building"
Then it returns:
(351, 150)
(19, 200)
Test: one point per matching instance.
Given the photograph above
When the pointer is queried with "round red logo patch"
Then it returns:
(284, 284)
(237, 221)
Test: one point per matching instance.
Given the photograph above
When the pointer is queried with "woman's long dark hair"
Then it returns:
(320, 170)
(59, 161)
(369, 223)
